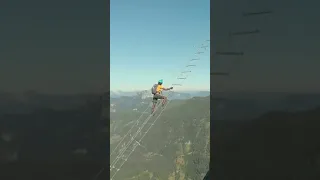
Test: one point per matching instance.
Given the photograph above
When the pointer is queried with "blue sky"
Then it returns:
(152, 40)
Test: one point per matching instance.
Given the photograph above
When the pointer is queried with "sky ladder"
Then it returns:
(137, 132)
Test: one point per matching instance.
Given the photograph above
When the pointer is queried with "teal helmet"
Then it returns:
(160, 81)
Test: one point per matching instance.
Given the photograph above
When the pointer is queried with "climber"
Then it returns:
(156, 90)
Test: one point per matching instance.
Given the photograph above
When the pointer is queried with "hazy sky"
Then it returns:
(283, 57)
(54, 46)
(152, 40)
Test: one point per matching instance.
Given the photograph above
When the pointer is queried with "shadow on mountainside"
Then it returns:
(54, 144)
(278, 145)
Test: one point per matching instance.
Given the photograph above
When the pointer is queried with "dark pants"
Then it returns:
(155, 99)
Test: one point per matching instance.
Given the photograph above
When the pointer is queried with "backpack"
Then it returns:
(154, 89)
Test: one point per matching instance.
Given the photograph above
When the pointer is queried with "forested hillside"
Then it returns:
(177, 146)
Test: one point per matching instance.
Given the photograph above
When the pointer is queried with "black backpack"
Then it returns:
(154, 89)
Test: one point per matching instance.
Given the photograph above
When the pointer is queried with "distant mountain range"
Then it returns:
(30, 101)
(119, 93)
(139, 100)
(225, 105)
(147, 93)
(229, 105)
